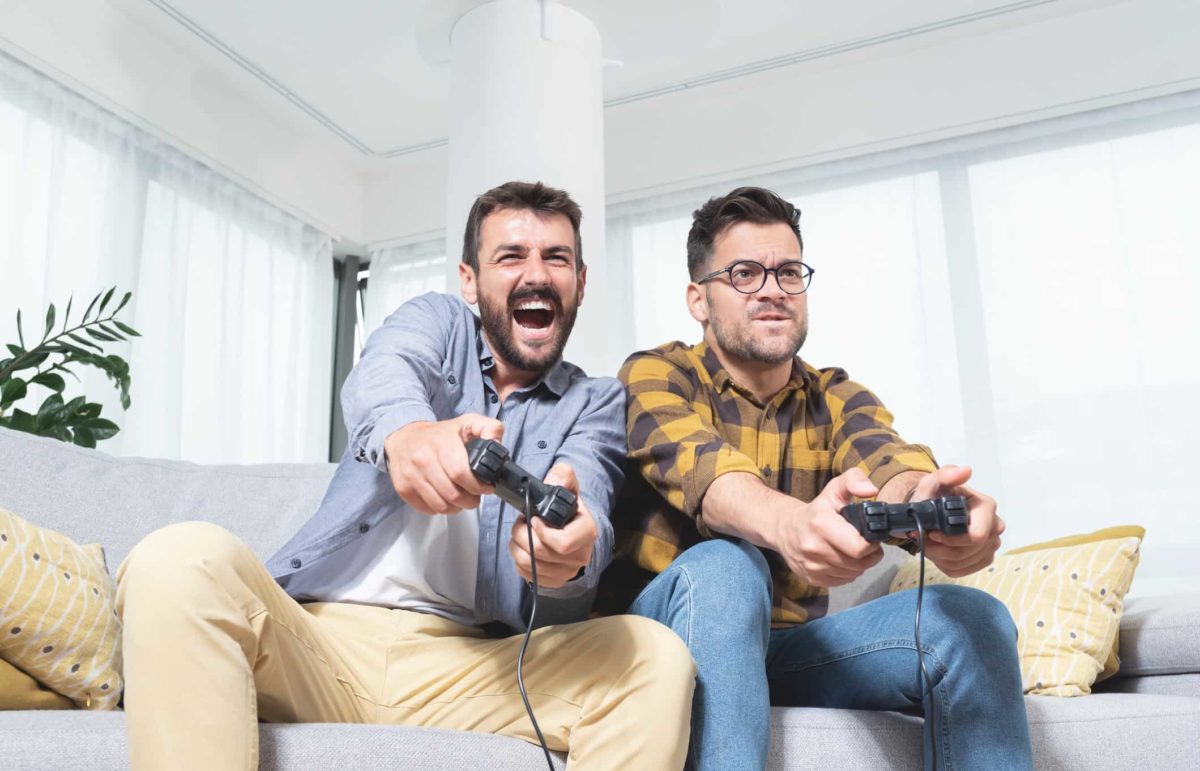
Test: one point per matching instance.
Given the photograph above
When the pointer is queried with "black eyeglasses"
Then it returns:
(748, 276)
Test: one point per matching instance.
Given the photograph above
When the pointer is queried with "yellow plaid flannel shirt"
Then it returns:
(688, 423)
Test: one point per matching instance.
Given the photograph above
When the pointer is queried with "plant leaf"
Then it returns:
(34, 359)
(75, 407)
(50, 380)
(112, 332)
(124, 300)
(48, 413)
(84, 341)
(67, 315)
(101, 429)
(20, 334)
(127, 329)
(85, 438)
(49, 322)
(97, 335)
(21, 420)
(15, 350)
(91, 305)
(11, 391)
(107, 296)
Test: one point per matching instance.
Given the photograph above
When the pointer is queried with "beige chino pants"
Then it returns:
(212, 644)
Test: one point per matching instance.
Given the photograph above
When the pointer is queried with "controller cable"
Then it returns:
(923, 678)
(529, 627)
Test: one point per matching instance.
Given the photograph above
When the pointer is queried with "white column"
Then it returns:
(527, 104)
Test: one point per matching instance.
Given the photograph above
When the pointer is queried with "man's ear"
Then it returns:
(468, 283)
(697, 302)
(582, 283)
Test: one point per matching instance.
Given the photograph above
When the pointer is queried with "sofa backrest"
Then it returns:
(94, 497)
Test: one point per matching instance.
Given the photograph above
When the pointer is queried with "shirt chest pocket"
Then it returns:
(808, 471)
(536, 457)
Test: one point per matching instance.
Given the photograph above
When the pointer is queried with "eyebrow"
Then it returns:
(522, 249)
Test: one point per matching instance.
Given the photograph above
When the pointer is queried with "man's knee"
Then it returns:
(972, 623)
(733, 565)
(176, 556)
(652, 646)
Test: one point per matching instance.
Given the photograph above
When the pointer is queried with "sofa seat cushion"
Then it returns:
(95, 741)
(1101, 732)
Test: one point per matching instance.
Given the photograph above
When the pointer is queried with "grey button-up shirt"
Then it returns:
(429, 361)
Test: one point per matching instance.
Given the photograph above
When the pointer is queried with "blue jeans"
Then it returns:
(717, 597)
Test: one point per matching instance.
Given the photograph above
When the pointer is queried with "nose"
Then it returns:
(771, 290)
(535, 273)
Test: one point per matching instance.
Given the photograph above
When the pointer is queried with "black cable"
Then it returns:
(529, 629)
(924, 680)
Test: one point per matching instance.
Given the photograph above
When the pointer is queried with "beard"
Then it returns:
(739, 341)
(499, 316)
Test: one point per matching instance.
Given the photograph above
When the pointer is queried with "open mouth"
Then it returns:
(534, 316)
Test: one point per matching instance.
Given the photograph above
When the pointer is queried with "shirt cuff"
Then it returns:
(710, 464)
(371, 450)
(909, 457)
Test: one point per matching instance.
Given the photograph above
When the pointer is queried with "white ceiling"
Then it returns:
(362, 70)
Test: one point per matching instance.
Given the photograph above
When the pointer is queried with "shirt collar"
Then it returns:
(722, 380)
(557, 378)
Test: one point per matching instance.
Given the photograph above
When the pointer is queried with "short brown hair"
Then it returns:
(531, 196)
(744, 204)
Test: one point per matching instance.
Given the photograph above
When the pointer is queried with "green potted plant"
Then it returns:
(77, 420)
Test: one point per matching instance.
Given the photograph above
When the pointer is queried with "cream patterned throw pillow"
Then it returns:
(1066, 597)
(58, 619)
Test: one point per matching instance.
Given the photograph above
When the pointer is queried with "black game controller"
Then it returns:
(876, 520)
(490, 463)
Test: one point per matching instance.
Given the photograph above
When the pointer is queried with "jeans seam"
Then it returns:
(878, 645)
(688, 598)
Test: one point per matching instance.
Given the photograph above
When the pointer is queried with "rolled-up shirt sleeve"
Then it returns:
(677, 449)
(595, 450)
(393, 382)
(863, 436)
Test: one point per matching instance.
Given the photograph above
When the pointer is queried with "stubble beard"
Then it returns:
(738, 341)
(497, 321)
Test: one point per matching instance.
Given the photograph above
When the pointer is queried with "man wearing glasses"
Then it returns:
(731, 533)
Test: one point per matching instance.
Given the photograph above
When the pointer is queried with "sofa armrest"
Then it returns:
(1160, 635)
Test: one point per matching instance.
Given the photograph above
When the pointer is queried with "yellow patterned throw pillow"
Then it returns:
(1066, 597)
(20, 691)
(58, 619)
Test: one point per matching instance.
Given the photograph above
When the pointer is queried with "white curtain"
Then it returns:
(232, 296)
(1022, 300)
(400, 273)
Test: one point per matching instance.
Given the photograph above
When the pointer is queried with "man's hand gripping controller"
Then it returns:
(490, 462)
(876, 520)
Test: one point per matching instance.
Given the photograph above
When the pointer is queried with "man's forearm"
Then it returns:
(740, 505)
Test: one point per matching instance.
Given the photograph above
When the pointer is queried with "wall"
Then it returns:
(130, 58)
(857, 103)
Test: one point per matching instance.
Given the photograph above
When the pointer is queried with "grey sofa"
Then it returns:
(1146, 718)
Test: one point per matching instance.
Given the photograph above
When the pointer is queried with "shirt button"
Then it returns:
(494, 398)
(541, 444)
(452, 380)
(295, 562)
(767, 472)
(364, 527)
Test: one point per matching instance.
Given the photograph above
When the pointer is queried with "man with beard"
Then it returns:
(730, 528)
(412, 574)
